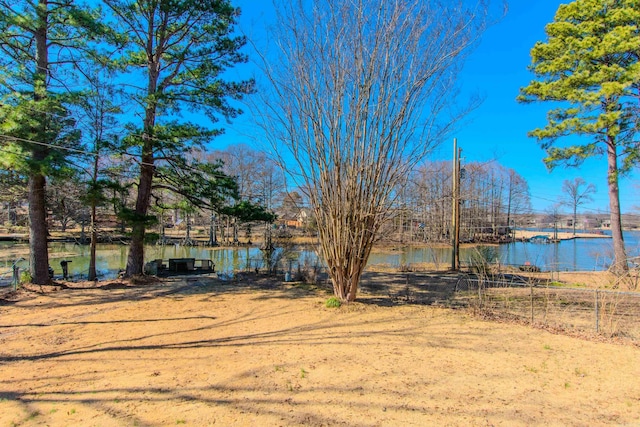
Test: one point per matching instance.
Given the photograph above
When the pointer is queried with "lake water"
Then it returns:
(112, 258)
(568, 255)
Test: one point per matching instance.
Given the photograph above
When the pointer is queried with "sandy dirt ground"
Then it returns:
(198, 351)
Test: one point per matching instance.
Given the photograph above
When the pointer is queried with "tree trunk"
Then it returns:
(620, 264)
(135, 261)
(92, 275)
(213, 238)
(235, 232)
(345, 279)
(187, 238)
(38, 250)
(38, 231)
(346, 249)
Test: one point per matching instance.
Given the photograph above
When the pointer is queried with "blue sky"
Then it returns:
(497, 69)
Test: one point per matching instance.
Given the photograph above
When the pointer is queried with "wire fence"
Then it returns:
(304, 269)
(611, 313)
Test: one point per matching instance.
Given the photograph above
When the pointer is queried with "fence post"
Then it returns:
(597, 313)
(16, 277)
(531, 288)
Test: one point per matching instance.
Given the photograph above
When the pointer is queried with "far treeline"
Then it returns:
(494, 200)
(492, 197)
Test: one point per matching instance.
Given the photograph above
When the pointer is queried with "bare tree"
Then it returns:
(577, 193)
(491, 195)
(258, 176)
(64, 197)
(260, 179)
(553, 216)
(431, 183)
(360, 92)
(518, 197)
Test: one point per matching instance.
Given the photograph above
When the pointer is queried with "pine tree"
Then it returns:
(178, 52)
(40, 43)
(589, 65)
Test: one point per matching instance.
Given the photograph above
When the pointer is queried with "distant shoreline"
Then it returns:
(561, 235)
(518, 235)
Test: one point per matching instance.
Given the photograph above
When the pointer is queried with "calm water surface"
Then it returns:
(568, 255)
(112, 258)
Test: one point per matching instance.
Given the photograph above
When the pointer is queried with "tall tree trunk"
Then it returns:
(620, 264)
(135, 261)
(38, 232)
(213, 238)
(38, 250)
(92, 275)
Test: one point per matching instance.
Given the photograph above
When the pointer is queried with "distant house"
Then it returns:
(291, 222)
(295, 221)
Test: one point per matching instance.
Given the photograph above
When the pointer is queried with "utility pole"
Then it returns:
(455, 216)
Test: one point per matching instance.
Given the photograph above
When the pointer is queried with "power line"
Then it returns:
(44, 144)
(91, 153)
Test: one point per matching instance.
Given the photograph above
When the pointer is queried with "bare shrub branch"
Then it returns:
(360, 91)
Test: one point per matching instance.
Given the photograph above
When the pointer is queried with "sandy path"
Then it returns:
(210, 354)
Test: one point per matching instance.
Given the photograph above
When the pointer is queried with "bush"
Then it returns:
(25, 277)
(333, 302)
(151, 238)
(482, 258)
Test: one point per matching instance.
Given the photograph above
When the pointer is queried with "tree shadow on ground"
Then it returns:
(376, 288)
(386, 289)
(149, 287)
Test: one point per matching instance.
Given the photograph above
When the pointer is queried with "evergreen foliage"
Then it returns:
(590, 66)
(174, 55)
(40, 47)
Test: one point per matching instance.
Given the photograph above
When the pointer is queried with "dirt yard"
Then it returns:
(197, 351)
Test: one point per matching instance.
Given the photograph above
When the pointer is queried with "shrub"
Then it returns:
(481, 259)
(25, 277)
(333, 302)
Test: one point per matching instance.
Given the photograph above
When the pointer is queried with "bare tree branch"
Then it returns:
(358, 96)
